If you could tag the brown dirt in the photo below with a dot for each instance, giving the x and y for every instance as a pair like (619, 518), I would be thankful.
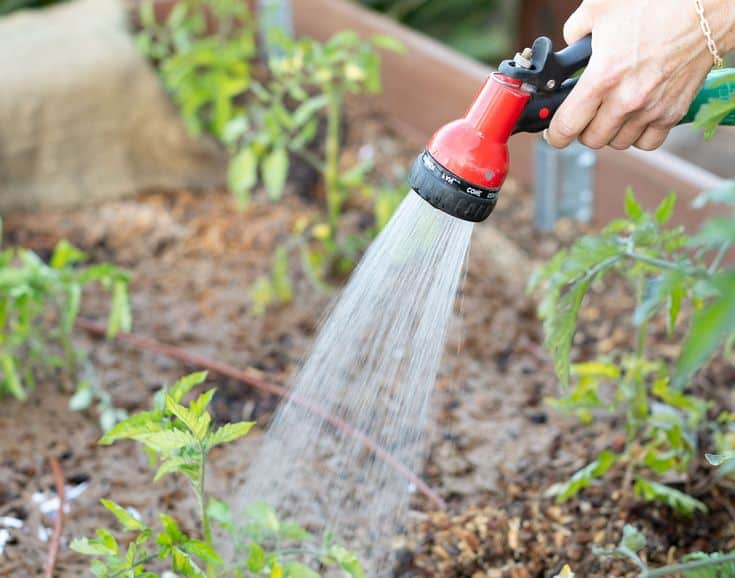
(495, 447)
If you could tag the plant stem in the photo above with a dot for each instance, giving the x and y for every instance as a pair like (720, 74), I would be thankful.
(202, 499)
(331, 169)
(138, 562)
(687, 566)
(640, 344)
(718, 258)
(663, 264)
(310, 158)
(300, 552)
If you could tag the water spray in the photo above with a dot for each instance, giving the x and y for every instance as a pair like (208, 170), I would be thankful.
(466, 162)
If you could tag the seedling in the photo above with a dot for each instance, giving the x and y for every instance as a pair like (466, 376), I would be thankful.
(663, 421)
(205, 73)
(178, 437)
(308, 80)
(696, 565)
(265, 123)
(39, 304)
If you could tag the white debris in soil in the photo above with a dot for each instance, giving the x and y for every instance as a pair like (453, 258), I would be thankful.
(10, 522)
(4, 539)
(48, 502)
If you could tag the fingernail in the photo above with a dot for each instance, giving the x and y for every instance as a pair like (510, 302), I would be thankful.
(545, 134)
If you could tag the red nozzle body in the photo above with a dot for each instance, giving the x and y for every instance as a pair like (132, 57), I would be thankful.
(475, 148)
(466, 162)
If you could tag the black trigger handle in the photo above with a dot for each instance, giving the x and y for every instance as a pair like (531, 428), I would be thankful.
(541, 108)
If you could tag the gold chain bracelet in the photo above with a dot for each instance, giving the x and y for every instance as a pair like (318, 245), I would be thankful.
(707, 30)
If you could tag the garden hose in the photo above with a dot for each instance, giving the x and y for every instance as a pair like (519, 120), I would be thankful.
(466, 161)
(720, 85)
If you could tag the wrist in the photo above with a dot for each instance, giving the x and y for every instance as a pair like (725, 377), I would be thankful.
(721, 17)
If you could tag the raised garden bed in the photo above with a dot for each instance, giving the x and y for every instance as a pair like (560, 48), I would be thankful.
(495, 448)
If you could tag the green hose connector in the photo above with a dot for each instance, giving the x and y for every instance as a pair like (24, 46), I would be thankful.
(715, 87)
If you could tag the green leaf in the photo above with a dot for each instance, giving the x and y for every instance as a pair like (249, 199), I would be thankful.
(11, 378)
(709, 328)
(219, 511)
(264, 516)
(135, 425)
(712, 114)
(675, 300)
(282, 285)
(388, 43)
(92, 547)
(665, 210)
(308, 110)
(655, 292)
(120, 318)
(71, 309)
(243, 175)
(230, 432)
(583, 478)
(167, 440)
(170, 465)
(184, 565)
(305, 136)
(66, 254)
(256, 558)
(633, 539)
(171, 534)
(298, 570)
(723, 195)
(294, 532)
(678, 501)
(347, 561)
(197, 424)
(561, 328)
(200, 404)
(186, 384)
(126, 520)
(564, 282)
(720, 459)
(596, 369)
(203, 551)
(275, 172)
(147, 14)
(632, 208)
(262, 295)
(715, 232)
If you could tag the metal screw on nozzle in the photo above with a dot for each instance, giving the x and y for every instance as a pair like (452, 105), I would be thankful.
(523, 59)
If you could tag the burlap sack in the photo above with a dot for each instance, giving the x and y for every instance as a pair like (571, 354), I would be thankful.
(83, 116)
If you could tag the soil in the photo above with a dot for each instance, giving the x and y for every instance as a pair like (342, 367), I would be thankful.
(495, 448)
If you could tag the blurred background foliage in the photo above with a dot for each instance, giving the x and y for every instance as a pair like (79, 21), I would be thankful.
(482, 29)
(7, 6)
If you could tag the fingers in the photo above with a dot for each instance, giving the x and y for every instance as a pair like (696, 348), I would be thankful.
(652, 138)
(628, 135)
(578, 25)
(605, 126)
(575, 113)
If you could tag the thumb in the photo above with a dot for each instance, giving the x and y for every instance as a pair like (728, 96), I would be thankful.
(578, 25)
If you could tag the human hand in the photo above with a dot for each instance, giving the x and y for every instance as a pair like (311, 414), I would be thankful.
(649, 60)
